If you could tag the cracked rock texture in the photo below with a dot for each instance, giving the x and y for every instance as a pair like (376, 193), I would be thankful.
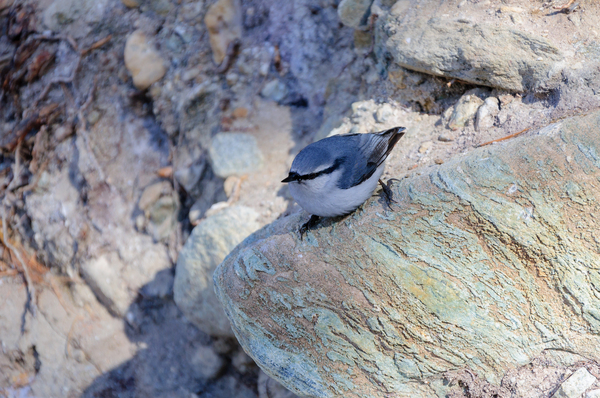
(486, 262)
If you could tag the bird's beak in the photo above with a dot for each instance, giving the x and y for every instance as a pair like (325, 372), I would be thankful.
(289, 178)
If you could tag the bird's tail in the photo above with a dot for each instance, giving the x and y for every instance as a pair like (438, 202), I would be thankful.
(393, 136)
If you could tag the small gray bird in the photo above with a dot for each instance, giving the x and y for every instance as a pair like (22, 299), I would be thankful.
(335, 175)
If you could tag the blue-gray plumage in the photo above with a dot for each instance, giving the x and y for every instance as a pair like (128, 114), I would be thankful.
(337, 174)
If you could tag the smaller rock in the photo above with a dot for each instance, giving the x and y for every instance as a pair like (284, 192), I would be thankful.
(464, 110)
(445, 137)
(384, 113)
(205, 362)
(242, 362)
(143, 62)
(240, 113)
(229, 185)
(131, 3)
(575, 385)
(152, 193)
(206, 247)
(232, 78)
(354, 13)
(224, 23)
(486, 113)
(93, 117)
(363, 40)
(274, 90)
(426, 146)
(191, 10)
(163, 217)
(270, 388)
(189, 177)
(102, 275)
(234, 154)
(190, 74)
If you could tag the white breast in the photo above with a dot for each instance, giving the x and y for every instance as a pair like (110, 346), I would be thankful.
(322, 197)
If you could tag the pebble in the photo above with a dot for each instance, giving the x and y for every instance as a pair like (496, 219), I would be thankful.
(575, 385)
(224, 23)
(425, 146)
(152, 193)
(234, 154)
(190, 74)
(486, 113)
(384, 113)
(189, 177)
(131, 3)
(240, 113)
(205, 362)
(232, 78)
(353, 13)
(229, 185)
(93, 117)
(445, 137)
(464, 110)
(274, 90)
(143, 62)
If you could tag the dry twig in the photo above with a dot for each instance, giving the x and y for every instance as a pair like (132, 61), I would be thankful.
(503, 138)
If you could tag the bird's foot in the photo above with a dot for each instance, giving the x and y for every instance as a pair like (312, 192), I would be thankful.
(308, 225)
(387, 192)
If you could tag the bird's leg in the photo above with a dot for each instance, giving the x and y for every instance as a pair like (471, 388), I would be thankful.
(308, 225)
(387, 192)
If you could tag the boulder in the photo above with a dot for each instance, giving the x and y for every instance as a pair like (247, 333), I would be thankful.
(473, 52)
(484, 263)
(206, 247)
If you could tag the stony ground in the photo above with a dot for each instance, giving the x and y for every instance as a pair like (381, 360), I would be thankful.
(111, 112)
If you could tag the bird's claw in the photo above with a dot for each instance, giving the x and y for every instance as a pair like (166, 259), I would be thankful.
(308, 225)
(387, 192)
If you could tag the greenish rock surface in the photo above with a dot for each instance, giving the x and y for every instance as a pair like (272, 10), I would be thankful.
(206, 247)
(475, 53)
(485, 262)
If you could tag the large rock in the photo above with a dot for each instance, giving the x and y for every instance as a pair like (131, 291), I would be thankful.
(472, 52)
(484, 262)
(206, 247)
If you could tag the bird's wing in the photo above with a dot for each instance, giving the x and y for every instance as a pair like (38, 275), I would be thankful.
(372, 151)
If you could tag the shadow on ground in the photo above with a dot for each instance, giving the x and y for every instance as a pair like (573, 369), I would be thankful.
(173, 355)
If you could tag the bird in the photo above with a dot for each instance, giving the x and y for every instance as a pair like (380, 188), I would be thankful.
(334, 176)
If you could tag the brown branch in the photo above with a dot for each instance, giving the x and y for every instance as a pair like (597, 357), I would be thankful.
(504, 138)
(96, 45)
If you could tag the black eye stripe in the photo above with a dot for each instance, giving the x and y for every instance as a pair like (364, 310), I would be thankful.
(328, 170)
